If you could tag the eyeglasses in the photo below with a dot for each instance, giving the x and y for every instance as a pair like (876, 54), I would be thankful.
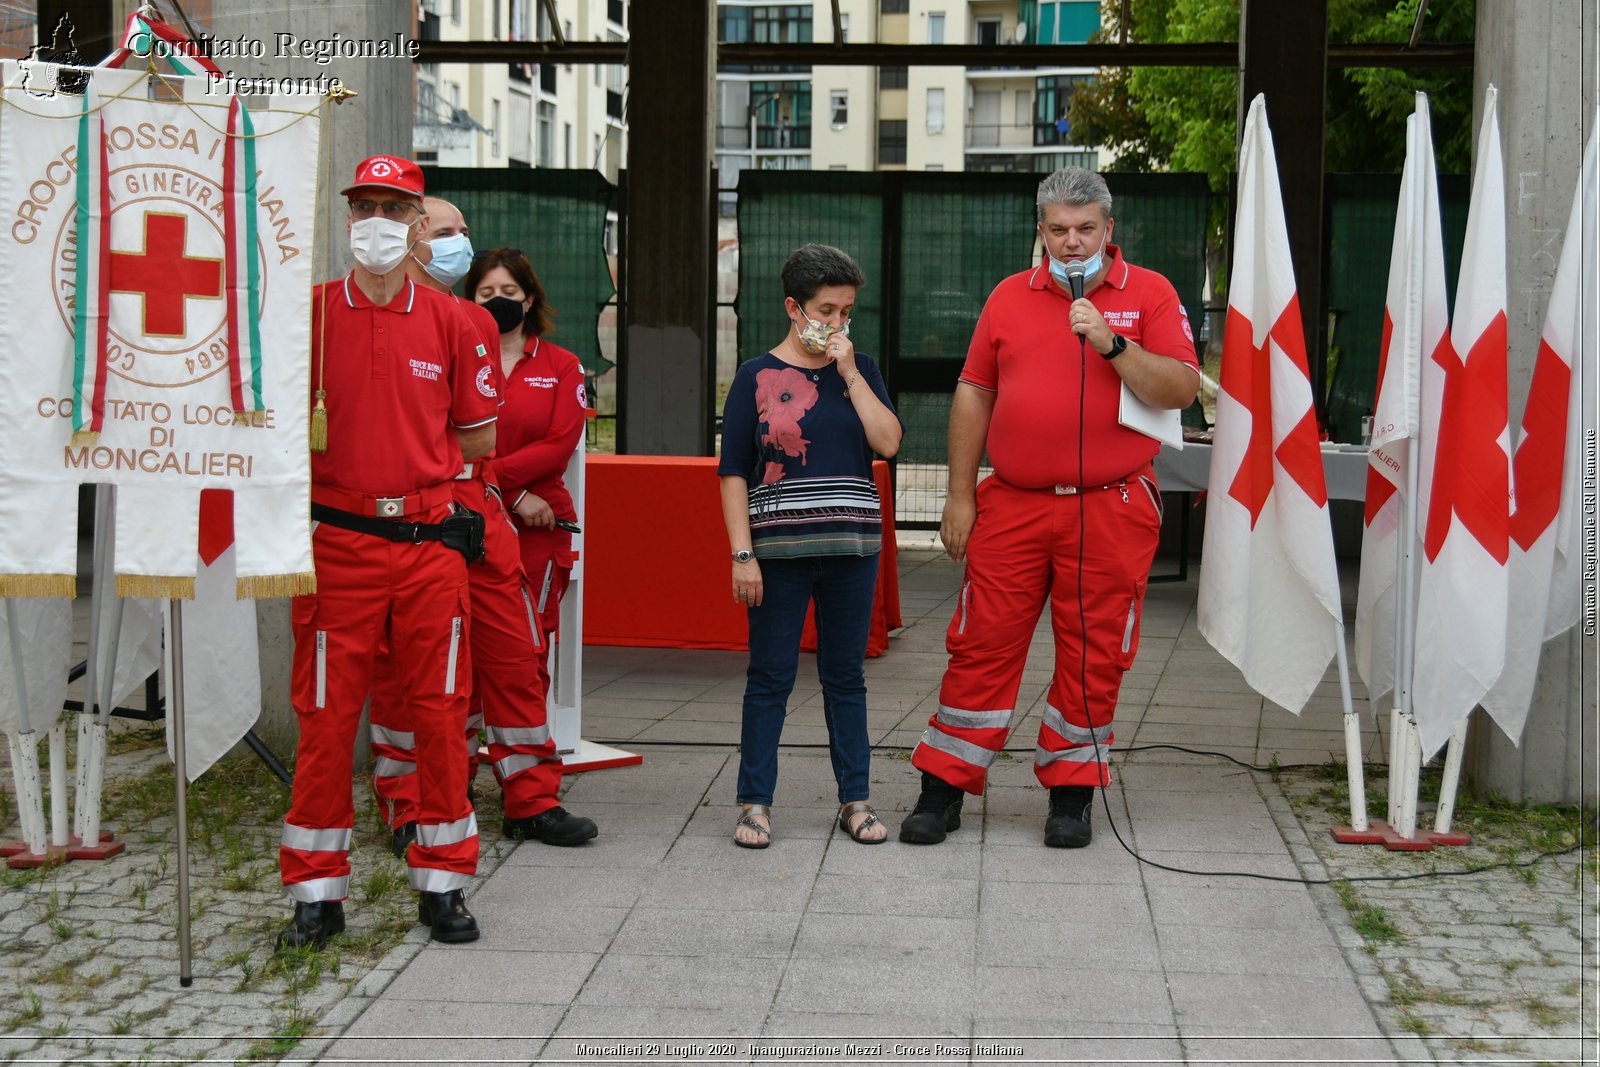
(394, 210)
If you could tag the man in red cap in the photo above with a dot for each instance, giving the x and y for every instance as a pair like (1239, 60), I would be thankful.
(394, 373)
(508, 646)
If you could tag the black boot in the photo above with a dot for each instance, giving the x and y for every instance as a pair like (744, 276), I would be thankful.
(448, 916)
(1068, 823)
(938, 811)
(558, 826)
(313, 924)
(401, 840)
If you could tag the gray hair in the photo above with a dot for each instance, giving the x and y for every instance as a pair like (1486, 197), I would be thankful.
(1074, 187)
(812, 266)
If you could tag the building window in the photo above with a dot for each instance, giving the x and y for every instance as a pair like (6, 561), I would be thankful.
(1067, 21)
(455, 12)
(892, 77)
(839, 108)
(494, 20)
(1052, 100)
(844, 28)
(936, 27)
(987, 31)
(891, 141)
(547, 135)
(894, 7)
(494, 128)
(935, 110)
(933, 166)
(1024, 109)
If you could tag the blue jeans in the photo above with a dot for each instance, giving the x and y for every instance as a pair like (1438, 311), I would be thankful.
(842, 587)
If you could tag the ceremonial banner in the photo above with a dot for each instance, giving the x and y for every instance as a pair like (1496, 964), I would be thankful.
(1416, 324)
(44, 631)
(154, 318)
(1464, 489)
(1269, 589)
(1546, 547)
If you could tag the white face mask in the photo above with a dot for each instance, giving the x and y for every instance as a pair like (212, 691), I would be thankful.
(379, 244)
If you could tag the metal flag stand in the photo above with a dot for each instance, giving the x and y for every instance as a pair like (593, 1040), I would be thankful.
(180, 773)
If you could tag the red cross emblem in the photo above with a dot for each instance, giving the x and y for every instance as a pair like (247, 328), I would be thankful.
(1247, 377)
(164, 274)
(1470, 476)
(1542, 453)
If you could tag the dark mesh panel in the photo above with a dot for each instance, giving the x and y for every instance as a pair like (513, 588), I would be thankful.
(558, 219)
(1161, 226)
(1361, 214)
(959, 235)
(781, 210)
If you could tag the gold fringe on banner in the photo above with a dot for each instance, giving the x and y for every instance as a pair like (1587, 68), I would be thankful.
(84, 438)
(155, 587)
(272, 586)
(31, 585)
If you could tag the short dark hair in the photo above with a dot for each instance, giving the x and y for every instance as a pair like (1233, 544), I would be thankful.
(540, 313)
(812, 266)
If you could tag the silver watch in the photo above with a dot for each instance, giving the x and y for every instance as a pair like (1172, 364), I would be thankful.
(744, 555)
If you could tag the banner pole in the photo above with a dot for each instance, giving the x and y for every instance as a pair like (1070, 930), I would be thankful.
(99, 587)
(58, 784)
(25, 747)
(180, 773)
(1448, 784)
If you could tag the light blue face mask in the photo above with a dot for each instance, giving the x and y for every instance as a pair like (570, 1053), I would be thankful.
(452, 256)
(1091, 267)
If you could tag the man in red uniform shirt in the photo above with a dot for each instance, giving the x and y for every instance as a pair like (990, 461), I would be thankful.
(395, 366)
(508, 643)
(1072, 513)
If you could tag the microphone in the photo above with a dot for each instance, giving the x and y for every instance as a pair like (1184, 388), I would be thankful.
(1075, 278)
(1075, 283)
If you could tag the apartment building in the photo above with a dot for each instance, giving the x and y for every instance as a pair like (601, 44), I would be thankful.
(521, 114)
(997, 117)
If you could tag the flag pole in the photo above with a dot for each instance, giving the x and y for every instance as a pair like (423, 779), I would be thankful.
(1442, 834)
(1352, 738)
(24, 751)
(180, 773)
(98, 588)
(58, 785)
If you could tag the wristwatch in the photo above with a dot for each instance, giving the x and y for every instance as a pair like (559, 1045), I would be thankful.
(744, 555)
(1119, 345)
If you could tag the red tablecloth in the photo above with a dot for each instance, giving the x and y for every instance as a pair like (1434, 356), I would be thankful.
(655, 558)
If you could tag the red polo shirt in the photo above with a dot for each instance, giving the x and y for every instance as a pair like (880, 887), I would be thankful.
(1025, 352)
(541, 424)
(492, 384)
(398, 378)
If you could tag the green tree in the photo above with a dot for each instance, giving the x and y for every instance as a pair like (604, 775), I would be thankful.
(1185, 118)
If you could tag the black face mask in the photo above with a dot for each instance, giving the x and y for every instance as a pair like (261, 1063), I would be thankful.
(508, 313)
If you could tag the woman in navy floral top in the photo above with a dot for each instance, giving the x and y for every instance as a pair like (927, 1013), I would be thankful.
(799, 431)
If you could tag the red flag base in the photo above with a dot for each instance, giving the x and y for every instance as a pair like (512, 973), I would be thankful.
(18, 858)
(109, 846)
(1381, 833)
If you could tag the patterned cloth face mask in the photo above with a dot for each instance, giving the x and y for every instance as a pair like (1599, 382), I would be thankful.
(814, 335)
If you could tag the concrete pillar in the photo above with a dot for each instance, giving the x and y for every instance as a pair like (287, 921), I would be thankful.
(664, 394)
(1542, 58)
(1283, 52)
(378, 120)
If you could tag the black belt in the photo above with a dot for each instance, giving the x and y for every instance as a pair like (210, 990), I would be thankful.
(462, 531)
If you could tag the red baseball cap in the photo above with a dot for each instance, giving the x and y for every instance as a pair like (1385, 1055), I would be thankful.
(388, 172)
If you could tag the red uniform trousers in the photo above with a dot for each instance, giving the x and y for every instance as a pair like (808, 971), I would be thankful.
(1024, 548)
(415, 595)
(542, 559)
(508, 690)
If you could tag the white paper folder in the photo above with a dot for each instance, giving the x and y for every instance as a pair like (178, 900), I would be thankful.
(1164, 424)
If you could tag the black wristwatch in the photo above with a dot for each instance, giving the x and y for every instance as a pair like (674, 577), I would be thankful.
(1119, 345)
(744, 555)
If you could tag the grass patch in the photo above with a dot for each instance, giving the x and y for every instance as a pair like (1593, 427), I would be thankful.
(1371, 922)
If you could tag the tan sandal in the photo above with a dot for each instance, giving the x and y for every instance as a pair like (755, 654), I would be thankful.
(748, 814)
(858, 834)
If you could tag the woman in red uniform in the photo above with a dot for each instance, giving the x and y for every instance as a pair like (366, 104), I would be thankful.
(540, 423)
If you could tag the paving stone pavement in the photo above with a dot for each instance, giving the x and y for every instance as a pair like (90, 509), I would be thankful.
(660, 941)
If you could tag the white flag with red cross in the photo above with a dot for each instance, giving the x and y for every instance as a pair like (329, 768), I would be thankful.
(1464, 490)
(1546, 560)
(1269, 588)
(1416, 325)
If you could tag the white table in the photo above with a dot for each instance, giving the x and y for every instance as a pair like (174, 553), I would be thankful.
(1187, 471)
